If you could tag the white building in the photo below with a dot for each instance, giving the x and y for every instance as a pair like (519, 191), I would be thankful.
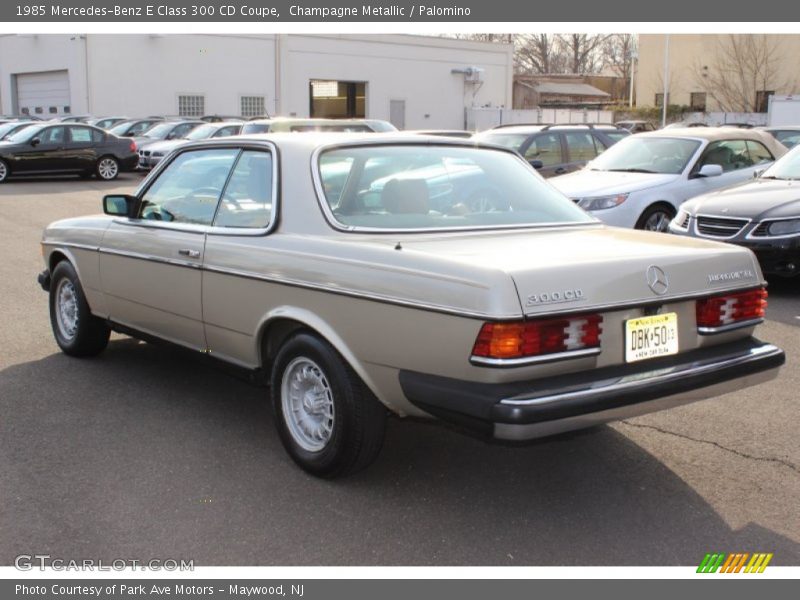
(414, 81)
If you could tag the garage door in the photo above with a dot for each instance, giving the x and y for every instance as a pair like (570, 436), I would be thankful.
(44, 94)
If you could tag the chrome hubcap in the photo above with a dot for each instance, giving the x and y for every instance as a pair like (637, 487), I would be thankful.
(107, 168)
(658, 221)
(3, 171)
(66, 309)
(307, 403)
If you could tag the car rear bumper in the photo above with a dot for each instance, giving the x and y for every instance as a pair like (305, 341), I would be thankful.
(542, 407)
(129, 163)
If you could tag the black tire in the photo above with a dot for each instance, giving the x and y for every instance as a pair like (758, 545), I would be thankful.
(656, 218)
(355, 419)
(87, 335)
(107, 168)
(4, 172)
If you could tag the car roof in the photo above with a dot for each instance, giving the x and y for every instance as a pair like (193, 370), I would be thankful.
(708, 133)
(536, 127)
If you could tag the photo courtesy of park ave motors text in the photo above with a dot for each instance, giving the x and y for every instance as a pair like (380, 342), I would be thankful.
(278, 299)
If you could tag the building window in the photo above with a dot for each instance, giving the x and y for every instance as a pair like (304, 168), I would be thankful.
(660, 99)
(697, 101)
(191, 106)
(25, 110)
(67, 109)
(38, 110)
(253, 106)
(762, 100)
(53, 110)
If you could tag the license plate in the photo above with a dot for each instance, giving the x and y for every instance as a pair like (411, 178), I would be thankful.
(651, 337)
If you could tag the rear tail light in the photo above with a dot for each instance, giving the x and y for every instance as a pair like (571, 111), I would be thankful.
(133, 146)
(526, 339)
(730, 309)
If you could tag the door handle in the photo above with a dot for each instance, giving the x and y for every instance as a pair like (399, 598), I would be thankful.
(190, 253)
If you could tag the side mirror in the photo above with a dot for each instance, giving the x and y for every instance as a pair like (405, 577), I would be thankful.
(36, 141)
(710, 171)
(120, 205)
(537, 164)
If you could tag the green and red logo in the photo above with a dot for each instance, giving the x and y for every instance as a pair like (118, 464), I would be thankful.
(739, 562)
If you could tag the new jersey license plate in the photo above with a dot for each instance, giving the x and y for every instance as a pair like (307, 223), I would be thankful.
(651, 337)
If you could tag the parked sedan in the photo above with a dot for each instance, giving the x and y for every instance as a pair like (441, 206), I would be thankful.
(168, 130)
(134, 127)
(149, 157)
(642, 181)
(762, 214)
(54, 148)
(107, 122)
(352, 304)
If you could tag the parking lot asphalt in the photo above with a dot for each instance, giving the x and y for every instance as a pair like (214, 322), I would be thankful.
(146, 452)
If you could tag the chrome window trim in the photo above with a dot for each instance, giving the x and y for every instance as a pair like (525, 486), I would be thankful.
(505, 363)
(729, 326)
(242, 146)
(636, 381)
(335, 224)
(698, 216)
(750, 235)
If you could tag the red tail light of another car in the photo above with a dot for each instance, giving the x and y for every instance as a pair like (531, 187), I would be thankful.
(133, 146)
(730, 310)
(529, 339)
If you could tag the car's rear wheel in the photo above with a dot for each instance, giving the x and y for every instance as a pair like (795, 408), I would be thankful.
(107, 168)
(77, 331)
(3, 171)
(656, 218)
(328, 420)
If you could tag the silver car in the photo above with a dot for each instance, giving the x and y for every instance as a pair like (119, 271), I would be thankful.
(642, 180)
(154, 152)
(363, 275)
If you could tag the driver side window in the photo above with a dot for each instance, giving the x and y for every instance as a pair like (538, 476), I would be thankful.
(188, 190)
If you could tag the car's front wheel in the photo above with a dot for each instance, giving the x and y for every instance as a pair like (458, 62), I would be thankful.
(656, 218)
(3, 171)
(328, 420)
(77, 331)
(107, 168)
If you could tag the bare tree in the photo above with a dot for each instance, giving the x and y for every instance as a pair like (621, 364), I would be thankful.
(583, 51)
(741, 66)
(538, 53)
(617, 53)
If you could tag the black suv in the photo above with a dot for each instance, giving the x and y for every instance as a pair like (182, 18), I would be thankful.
(555, 149)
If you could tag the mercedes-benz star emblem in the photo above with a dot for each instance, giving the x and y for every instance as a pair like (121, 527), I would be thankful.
(657, 280)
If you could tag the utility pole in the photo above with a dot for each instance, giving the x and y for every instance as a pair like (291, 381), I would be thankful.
(666, 83)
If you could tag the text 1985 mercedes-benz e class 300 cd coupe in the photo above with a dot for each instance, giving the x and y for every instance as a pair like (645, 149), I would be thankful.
(408, 275)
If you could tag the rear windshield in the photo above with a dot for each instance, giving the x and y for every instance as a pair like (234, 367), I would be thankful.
(407, 187)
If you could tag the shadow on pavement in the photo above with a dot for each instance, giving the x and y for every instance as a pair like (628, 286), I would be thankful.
(147, 452)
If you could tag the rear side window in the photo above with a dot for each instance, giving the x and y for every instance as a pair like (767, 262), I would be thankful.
(81, 134)
(580, 145)
(731, 155)
(247, 199)
(255, 128)
(226, 131)
(759, 153)
(546, 148)
(188, 190)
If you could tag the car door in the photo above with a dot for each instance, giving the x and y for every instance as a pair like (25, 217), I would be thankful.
(45, 152)
(546, 147)
(80, 154)
(150, 265)
(238, 245)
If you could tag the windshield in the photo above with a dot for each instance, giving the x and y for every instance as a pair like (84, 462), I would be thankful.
(7, 128)
(640, 154)
(786, 167)
(159, 132)
(26, 134)
(507, 140)
(407, 187)
(202, 132)
(121, 128)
